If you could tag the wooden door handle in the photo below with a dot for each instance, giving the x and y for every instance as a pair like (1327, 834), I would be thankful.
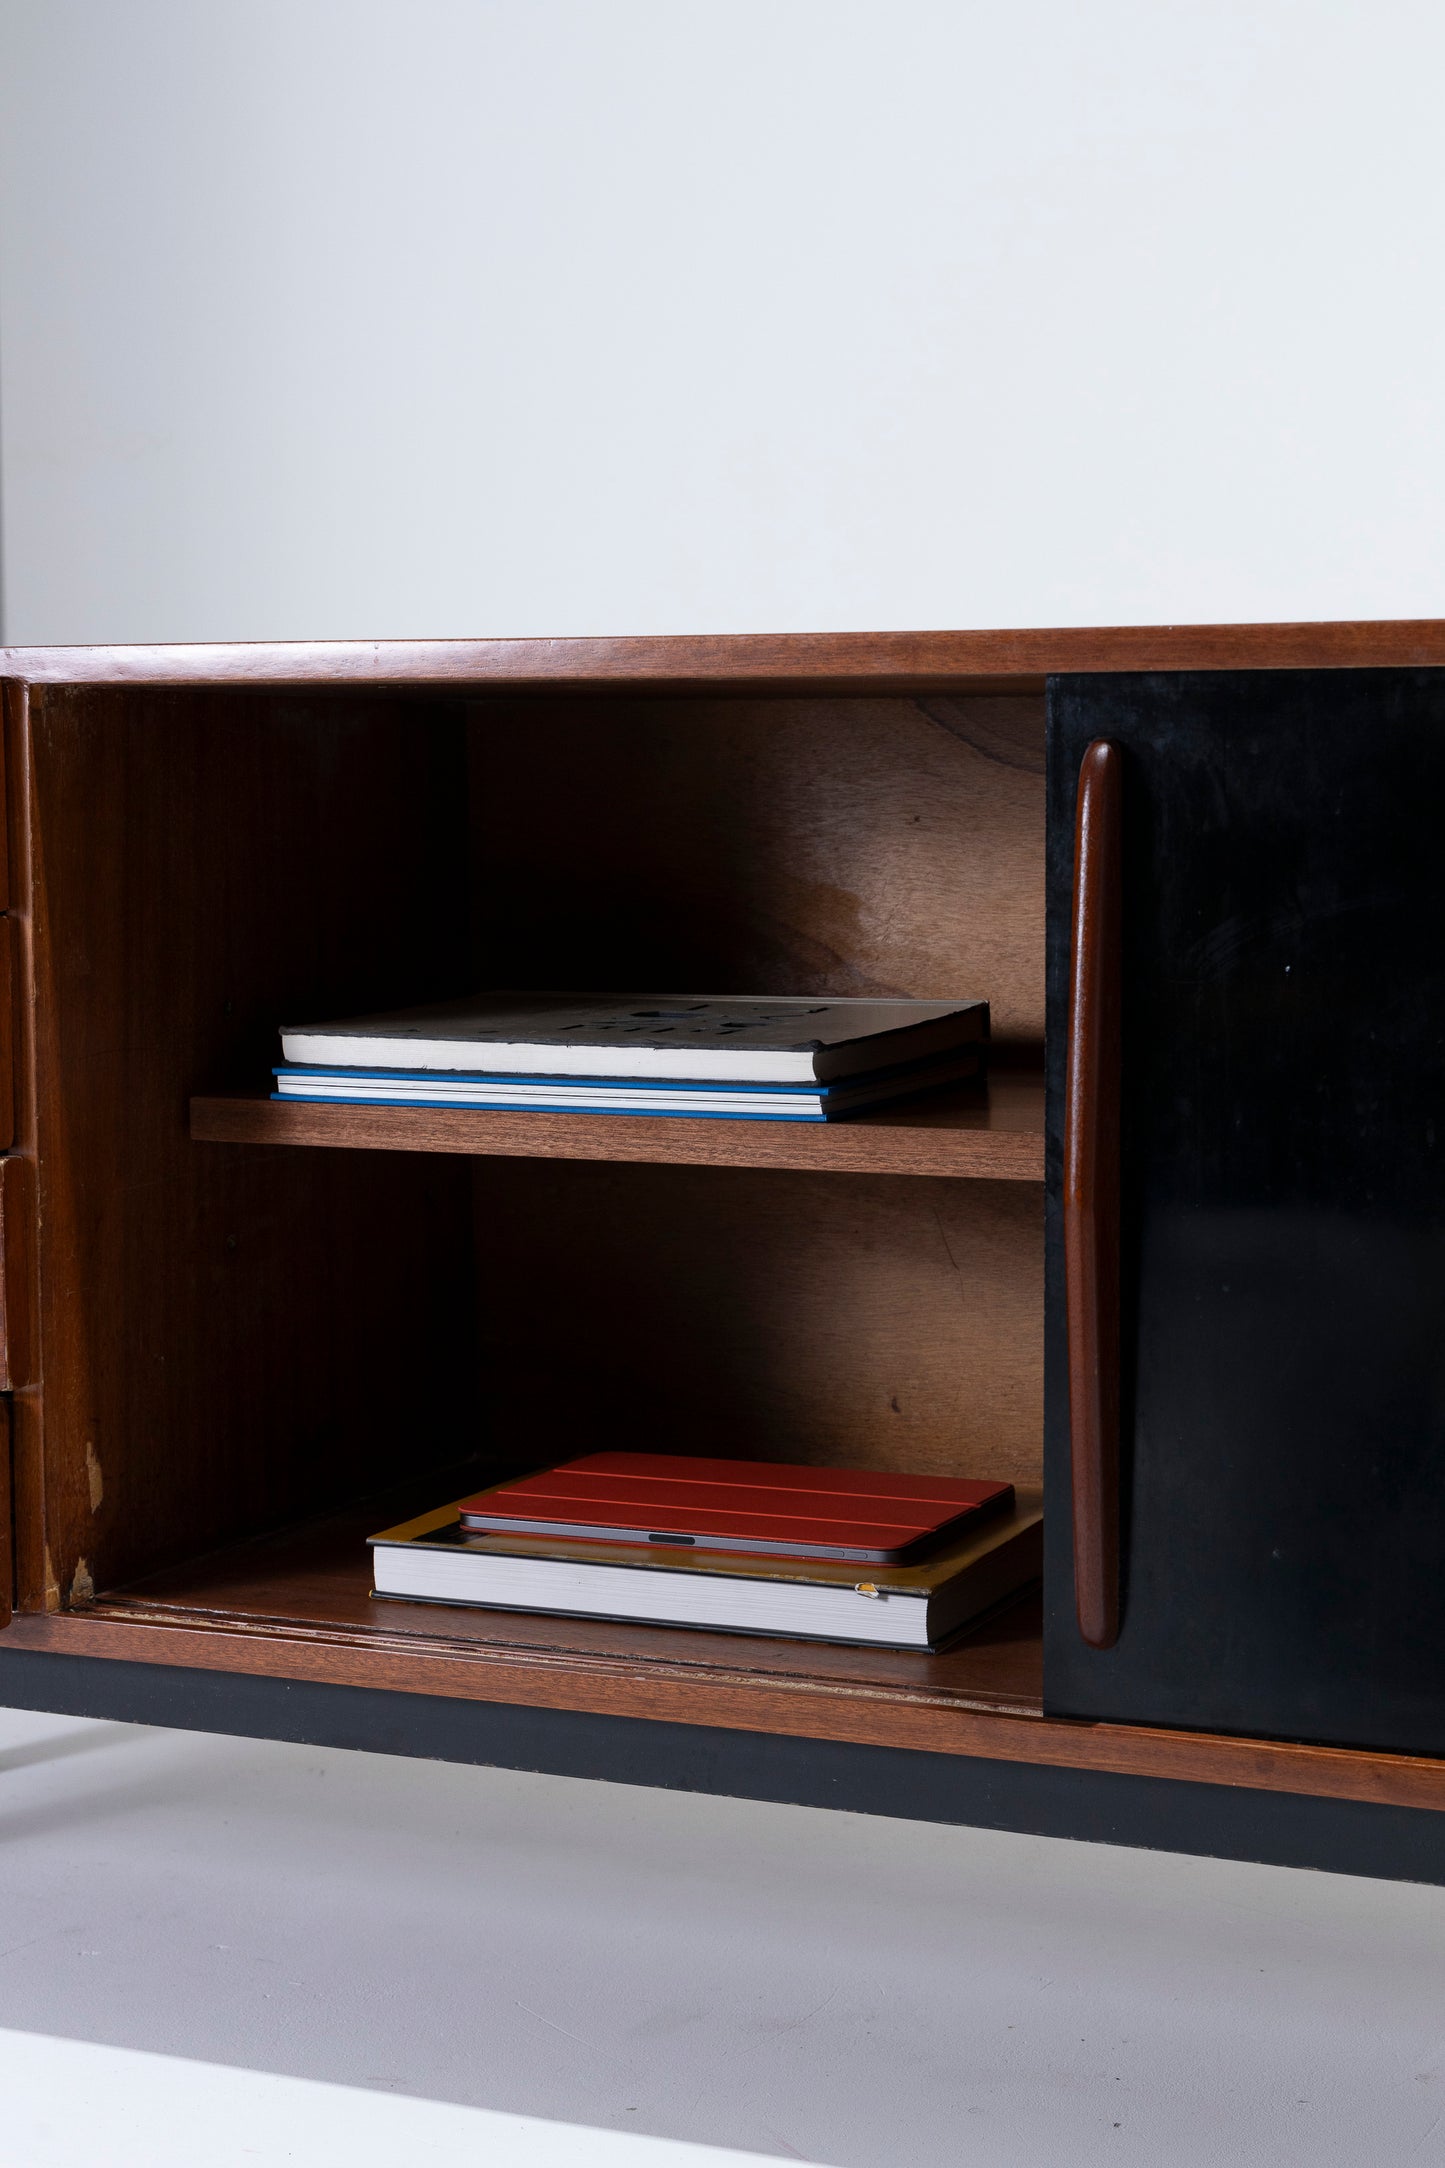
(1091, 1191)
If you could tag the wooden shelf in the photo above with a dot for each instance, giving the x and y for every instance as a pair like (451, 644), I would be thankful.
(296, 1606)
(992, 1132)
(299, 1604)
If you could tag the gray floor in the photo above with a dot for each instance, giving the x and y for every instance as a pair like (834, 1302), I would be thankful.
(811, 1986)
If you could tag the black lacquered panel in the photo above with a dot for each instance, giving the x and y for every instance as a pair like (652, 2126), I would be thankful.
(1284, 1204)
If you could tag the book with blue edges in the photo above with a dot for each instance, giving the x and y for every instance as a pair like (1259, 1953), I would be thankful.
(765, 1059)
(615, 1095)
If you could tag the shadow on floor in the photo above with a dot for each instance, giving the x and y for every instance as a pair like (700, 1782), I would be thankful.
(66, 1743)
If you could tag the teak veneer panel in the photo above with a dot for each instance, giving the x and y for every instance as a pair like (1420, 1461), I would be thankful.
(223, 1337)
(800, 1707)
(189, 863)
(219, 1330)
(851, 846)
(836, 845)
(860, 1320)
(878, 659)
(296, 1607)
(317, 1578)
(7, 1572)
(995, 1134)
(26, 1476)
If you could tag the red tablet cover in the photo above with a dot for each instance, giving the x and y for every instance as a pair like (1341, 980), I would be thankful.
(734, 1505)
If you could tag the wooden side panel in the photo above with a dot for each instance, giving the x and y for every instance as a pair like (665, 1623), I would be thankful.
(26, 1455)
(229, 1337)
(17, 1214)
(17, 1189)
(7, 1525)
(14, 699)
(7, 1033)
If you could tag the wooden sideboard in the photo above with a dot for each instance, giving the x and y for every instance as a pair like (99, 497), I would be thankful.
(240, 1335)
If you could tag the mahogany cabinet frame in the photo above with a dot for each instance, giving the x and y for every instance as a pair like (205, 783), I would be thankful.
(650, 1708)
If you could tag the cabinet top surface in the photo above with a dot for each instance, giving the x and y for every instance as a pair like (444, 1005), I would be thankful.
(987, 661)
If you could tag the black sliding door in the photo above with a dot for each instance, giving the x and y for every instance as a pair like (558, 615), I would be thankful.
(1281, 1276)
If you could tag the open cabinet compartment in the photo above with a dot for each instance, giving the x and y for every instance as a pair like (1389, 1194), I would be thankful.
(239, 1336)
(263, 1331)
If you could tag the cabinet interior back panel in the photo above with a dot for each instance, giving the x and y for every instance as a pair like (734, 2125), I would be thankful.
(840, 845)
(870, 1321)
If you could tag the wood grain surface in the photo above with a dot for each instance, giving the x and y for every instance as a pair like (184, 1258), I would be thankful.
(866, 1321)
(7, 1546)
(853, 846)
(993, 1132)
(838, 846)
(1090, 1201)
(32, 1582)
(317, 1577)
(296, 1607)
(226, 1338)
(901, 659)
(220, 1329)
(17, 1236)
(13, 702)
(223, 1336)
(8, 992)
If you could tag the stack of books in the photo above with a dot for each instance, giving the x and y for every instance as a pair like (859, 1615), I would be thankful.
(783, 1059)
(823, 1554)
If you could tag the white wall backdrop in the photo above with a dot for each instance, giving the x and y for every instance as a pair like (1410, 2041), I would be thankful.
(365, 317)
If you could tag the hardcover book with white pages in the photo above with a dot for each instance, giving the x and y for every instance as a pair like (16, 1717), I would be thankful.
(658, 1038)
(616, 1095)
(434, 1559)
